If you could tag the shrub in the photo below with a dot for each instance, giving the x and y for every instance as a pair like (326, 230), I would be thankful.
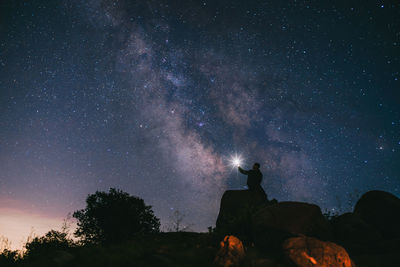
(51, 242)
(9, 257)
(113, 217)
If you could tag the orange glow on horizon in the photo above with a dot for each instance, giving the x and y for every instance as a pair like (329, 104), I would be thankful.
(18, 224)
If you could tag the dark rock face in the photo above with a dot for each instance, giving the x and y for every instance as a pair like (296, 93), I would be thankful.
(355, 234)
(271, 225)
(371, 234)
(381, 210)
(377, 260)
(351, 226)
(265, 262)
(268, 224)
(311, 252)
(236, 209)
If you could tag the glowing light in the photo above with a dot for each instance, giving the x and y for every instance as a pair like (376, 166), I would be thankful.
(309, 258)
(236, 160)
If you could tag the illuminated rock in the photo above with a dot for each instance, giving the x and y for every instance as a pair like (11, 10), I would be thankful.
(231, 252)
(311, 252)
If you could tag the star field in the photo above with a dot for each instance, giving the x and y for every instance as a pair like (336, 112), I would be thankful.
(154, 98)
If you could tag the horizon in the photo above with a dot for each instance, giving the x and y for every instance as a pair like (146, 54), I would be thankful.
(22, 227)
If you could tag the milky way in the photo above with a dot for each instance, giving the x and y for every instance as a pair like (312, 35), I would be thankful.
(154, 97)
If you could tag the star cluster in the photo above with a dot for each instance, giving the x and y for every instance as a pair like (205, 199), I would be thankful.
(154, 97)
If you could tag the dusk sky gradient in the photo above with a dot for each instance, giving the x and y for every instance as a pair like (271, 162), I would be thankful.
(154, 97)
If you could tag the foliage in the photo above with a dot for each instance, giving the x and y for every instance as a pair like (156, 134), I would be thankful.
(50, 242)
(161, 249)
(9, 257)
(113, 217)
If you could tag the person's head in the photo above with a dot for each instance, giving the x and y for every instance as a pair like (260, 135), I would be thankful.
(256, 166)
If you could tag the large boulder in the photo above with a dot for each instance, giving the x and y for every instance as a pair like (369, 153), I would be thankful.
(350, 226)
(272, 224)
(311, 252)
(236, 209)
(355, 234)
(381, 210)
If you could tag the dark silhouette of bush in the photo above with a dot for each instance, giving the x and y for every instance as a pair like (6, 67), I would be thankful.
(50, 242)
(47, 250)
(113, 217)
(9, 257)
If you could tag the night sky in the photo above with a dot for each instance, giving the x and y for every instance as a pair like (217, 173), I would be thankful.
(154, 97)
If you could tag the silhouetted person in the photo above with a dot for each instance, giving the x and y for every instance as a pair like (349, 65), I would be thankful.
(254, 178)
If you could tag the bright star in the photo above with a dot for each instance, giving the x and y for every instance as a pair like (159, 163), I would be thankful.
(236, 160)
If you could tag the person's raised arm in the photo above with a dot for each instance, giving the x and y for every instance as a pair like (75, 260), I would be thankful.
(243, 171)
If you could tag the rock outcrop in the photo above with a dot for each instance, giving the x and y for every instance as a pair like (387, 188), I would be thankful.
(271, 225)
(371, 234)
(355, 234)
(311, 252)
(300, 234)
(236, 209)
(381, 210)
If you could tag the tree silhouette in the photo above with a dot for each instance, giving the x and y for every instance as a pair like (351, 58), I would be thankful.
(51, 242)
(113, 217)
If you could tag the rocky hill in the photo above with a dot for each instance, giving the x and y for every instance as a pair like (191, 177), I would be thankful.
(297, 234)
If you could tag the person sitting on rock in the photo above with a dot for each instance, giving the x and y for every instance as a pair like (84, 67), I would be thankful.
(254, 178)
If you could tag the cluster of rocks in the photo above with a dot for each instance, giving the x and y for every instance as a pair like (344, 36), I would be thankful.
(298, 234)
